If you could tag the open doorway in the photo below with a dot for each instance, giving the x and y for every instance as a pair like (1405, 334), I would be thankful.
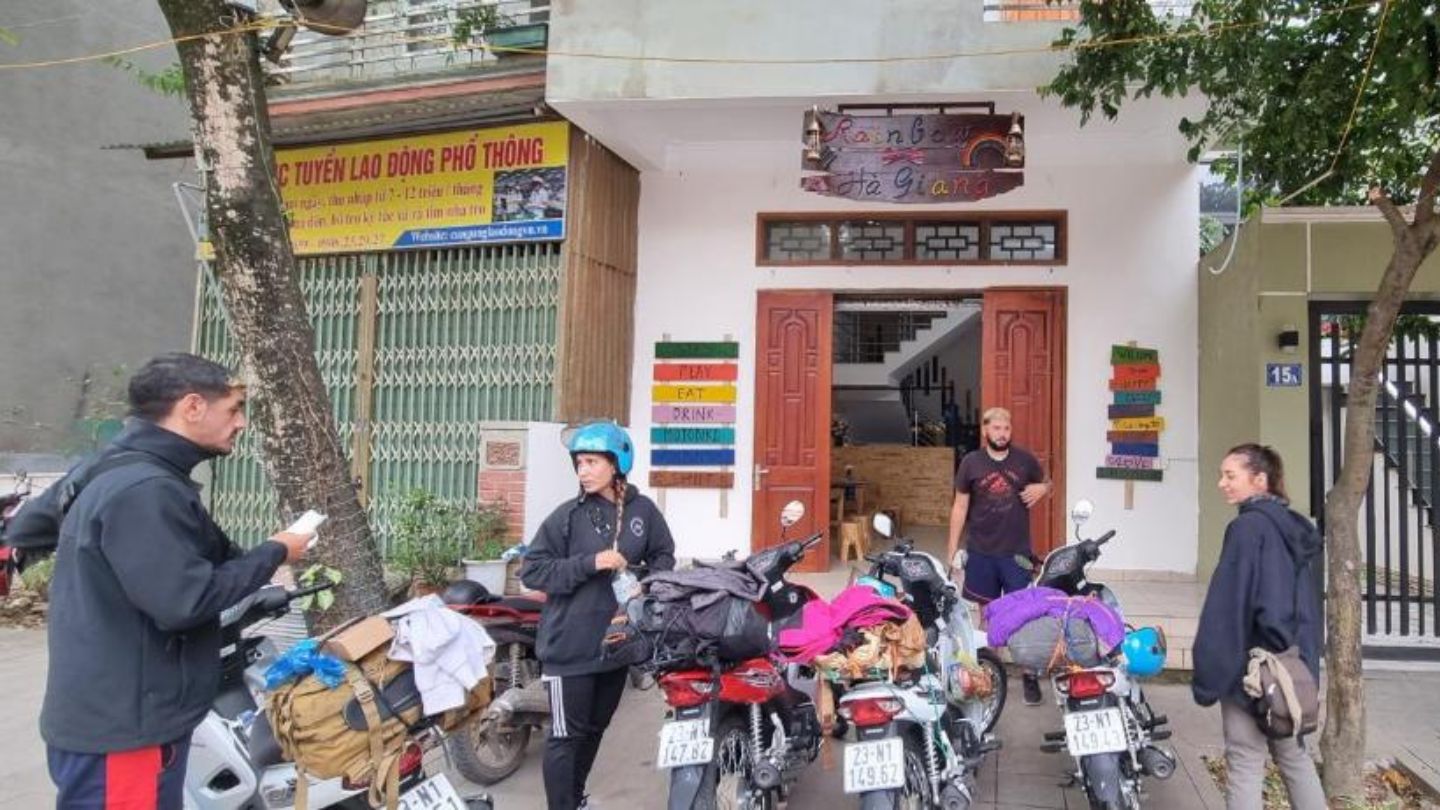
(905, 407)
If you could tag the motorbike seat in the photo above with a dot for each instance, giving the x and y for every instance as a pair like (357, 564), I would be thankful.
(264, 749)
(524, 604)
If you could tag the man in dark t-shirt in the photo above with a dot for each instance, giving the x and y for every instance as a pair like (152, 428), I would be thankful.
(995, 488)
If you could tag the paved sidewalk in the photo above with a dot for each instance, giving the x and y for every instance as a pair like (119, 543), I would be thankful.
(1019, 776)
(1404, 719)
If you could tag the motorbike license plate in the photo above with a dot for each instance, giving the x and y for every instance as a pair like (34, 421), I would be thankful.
(435, 793)
(1098, 732)
(685, 742)
(878, 765)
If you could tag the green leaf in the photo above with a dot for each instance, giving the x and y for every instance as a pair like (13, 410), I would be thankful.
(325, 599)
(8, 37)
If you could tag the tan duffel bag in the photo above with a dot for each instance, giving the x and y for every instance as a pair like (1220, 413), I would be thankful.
(357, 730)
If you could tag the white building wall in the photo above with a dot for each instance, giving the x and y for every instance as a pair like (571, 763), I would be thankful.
(1131, 276)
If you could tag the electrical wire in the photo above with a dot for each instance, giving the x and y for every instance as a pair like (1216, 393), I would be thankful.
(1082, 46)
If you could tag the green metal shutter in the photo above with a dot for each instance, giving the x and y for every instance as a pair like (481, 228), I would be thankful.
(463, 335)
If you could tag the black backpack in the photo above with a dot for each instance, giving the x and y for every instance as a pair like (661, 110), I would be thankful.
(34, 531)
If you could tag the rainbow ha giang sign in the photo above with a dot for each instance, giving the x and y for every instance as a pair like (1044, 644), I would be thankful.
(1135, 428)
(479, 186)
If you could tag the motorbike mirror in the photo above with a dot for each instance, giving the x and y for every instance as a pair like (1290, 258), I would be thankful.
(1081, 512)
(792, 513)
(883, 526)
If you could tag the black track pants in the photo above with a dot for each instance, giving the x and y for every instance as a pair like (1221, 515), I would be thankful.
(580, 710)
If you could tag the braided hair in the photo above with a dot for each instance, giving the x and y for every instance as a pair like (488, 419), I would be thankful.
(1263, 459)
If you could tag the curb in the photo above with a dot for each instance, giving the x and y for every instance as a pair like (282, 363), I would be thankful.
(1426, 778)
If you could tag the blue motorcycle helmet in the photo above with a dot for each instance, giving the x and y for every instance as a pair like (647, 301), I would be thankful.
(1144, 649)
(879, 586)
(606, 438)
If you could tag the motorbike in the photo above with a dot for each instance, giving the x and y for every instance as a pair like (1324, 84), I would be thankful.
(9, 505)
(739, 735)
(493, 746)
(920, 737)
(235, 761)
(1110, 730)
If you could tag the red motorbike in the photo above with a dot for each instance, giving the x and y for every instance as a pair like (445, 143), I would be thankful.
(9, 505)
(743, 732)
(493, 746)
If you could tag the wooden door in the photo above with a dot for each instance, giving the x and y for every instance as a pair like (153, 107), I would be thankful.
(792, 417)
(1023, 370)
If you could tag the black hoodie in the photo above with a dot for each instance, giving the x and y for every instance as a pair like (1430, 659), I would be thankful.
(141, 575)
(1270, 550)
(579, 600)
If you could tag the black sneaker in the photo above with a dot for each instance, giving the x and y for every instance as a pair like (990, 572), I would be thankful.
(1030, 687)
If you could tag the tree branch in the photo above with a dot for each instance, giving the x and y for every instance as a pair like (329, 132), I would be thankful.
(1390, 210)
(1425, 205)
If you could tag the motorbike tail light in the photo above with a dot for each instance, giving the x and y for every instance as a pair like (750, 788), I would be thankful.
(684, 690)
(1086, 683)
(411, 760)
(755, 681)
(868, 712)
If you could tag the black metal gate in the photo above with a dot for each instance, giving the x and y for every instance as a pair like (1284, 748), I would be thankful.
(1400, 543)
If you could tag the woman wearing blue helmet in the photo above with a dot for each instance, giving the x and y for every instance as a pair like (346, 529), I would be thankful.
(573, 560)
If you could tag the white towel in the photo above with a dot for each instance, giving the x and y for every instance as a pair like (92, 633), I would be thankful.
(451, 652)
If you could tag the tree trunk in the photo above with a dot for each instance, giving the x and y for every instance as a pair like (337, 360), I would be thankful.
(1343, 741)
(255, 264)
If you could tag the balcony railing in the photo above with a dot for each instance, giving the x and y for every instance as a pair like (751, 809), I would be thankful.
(399, 37)
(1064, 11)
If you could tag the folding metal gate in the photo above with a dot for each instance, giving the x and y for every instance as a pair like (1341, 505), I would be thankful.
(1400, 544)
(461, 336)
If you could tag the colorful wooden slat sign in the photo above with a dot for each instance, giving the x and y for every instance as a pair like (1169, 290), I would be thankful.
(693, 458)
(1133, 436)
(1132, 385)
(1125, 474)
(692, 414)
(693, 393)
(1133, 462)
(1130, 354)
(692, 435)
(1131, 411)
(692, 479)
(716, 350)
(1129, 449)
(696, 372)
(1137, 397)
(1135, 371)
(1151, 423)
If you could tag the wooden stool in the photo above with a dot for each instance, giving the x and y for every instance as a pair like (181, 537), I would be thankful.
(852, 539)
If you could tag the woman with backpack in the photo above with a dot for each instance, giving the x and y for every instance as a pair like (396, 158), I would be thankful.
(1262, 595)
(580, 560)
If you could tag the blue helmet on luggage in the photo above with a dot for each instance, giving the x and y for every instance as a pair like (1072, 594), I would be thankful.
(606, 438)
(1144, 650)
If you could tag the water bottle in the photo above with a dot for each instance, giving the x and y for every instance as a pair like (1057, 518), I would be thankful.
(626, 587)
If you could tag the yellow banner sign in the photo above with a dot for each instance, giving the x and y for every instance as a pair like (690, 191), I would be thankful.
(693, 393)
(1146, 423)
(503, 184)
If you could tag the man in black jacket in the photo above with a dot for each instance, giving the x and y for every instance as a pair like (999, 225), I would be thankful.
(575, 560)
(141, 576)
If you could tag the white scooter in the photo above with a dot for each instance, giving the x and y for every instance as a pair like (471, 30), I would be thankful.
(920, 740)
(235, 762)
